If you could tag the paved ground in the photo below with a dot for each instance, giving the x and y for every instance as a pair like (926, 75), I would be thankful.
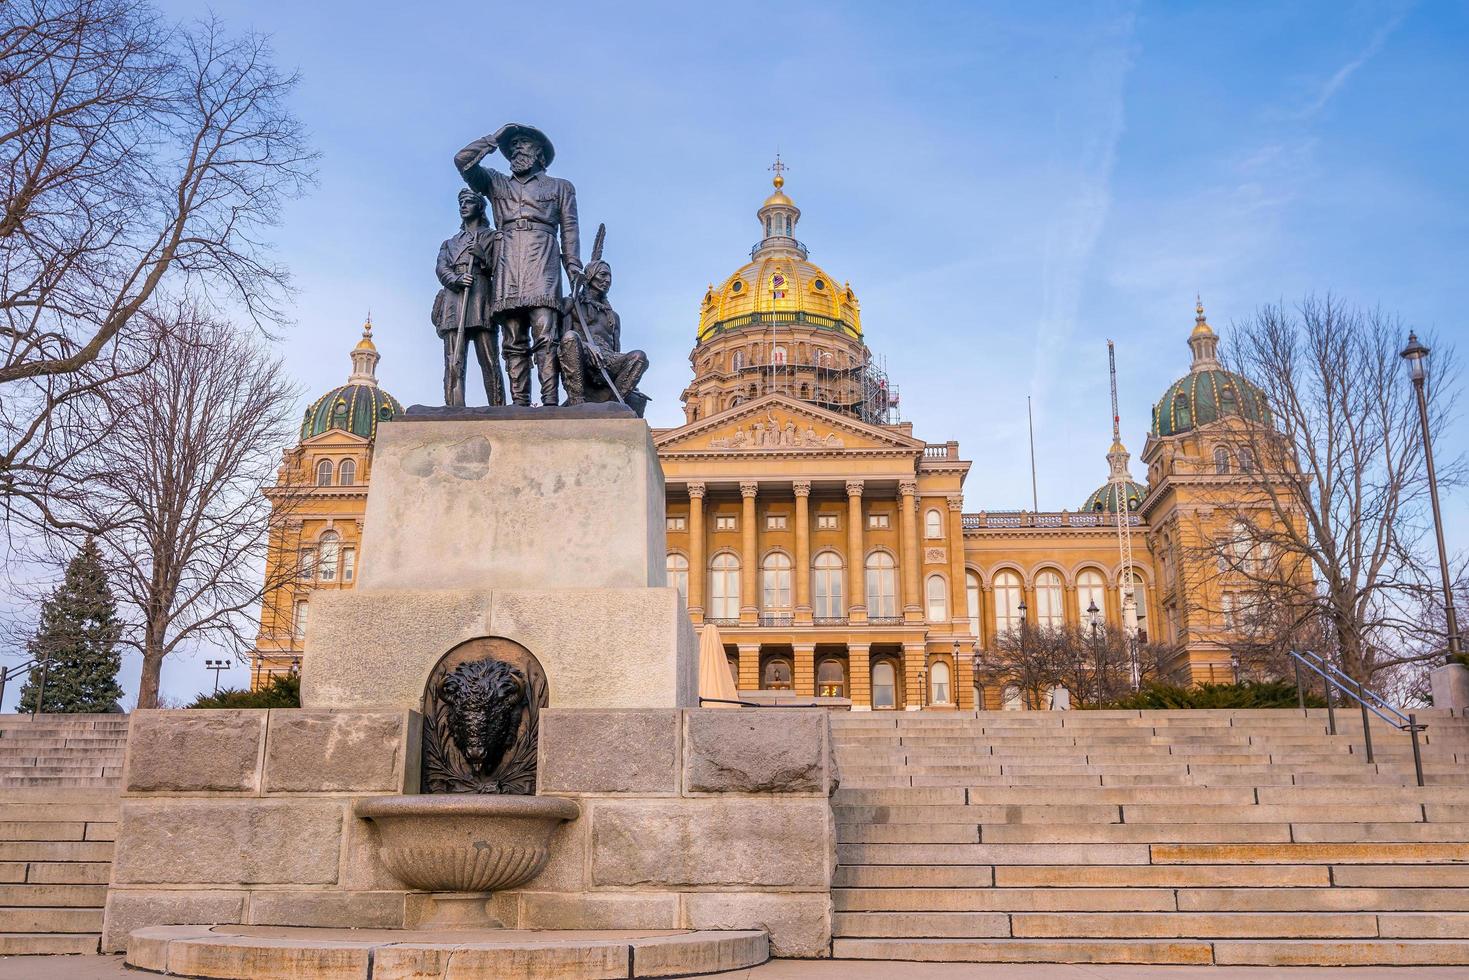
(111, 968)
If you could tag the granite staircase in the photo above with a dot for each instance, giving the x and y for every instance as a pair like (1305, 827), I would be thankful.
(1167, 837)
(59, 784)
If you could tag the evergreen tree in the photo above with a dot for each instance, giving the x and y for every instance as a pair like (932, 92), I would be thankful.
(79, 632)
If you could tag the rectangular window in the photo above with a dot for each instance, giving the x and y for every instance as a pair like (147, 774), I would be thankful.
(827, 522)
(678, 524)
(775, 522)
(879, 522)
(308, 564)
(725, 522)
(298, 623)
(349, 564)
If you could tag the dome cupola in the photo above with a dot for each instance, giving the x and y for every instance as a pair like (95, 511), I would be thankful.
(1207, 393)
(778, 217)
(360, 404)
(1120, 484)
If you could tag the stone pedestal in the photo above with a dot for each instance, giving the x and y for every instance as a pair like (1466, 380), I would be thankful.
(543, 526)
(1450, 686)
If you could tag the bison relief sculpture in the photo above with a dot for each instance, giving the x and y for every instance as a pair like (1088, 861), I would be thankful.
(481, 719)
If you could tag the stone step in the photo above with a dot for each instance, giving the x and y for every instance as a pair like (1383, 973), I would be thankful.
(55, 873)
(1141, 925)
(47, 943)
(1082, 833)
(981, 813)
(1003, 900)
(47, 812)
(1252, 952)
(55, 851)
(53, 896)
(1333, 899)
(1166, 876)
(38, 830)
(14, 919)
(1360, 852)
(58, 782)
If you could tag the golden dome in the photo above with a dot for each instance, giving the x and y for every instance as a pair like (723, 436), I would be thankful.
(780, 284)
(366, 342)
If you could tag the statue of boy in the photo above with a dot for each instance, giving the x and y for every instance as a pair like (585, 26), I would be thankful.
(583, 362)
(463, 269)
(530, 209)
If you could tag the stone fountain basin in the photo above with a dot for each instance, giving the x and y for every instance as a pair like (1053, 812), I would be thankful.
(463, 842)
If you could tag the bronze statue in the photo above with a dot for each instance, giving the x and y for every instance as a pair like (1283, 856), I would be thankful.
(593, 364)
(531, 210)
(461, 314)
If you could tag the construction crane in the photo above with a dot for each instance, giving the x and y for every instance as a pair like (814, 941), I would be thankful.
(1120, 498)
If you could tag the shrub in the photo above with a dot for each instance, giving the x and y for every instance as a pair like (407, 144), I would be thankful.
(1250, 694)
(281, 691)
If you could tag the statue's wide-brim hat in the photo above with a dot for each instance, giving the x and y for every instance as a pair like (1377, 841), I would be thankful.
(514, 130)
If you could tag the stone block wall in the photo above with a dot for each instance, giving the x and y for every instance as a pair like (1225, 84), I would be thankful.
(245, 817)
(691, 818)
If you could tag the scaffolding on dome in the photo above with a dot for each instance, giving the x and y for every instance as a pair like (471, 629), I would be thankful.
(837, 383)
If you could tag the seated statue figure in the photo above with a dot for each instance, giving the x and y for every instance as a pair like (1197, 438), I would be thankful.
(584, 359)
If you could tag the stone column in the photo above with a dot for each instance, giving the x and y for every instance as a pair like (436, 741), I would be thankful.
(698, 574)
(802, 569)
(957, 612)
(856, 557)
(749, 667)
(803, 670)
(750, 560)
(912, 563)
(914, 657)
(859, 676)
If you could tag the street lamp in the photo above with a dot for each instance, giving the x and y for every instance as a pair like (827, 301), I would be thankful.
(1416, 354)
(1094, 619)
(216, 666)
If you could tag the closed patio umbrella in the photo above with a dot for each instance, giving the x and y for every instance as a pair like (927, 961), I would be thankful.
(715, 680)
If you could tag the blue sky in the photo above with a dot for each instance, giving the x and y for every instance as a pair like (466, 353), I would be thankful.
(1004, 185)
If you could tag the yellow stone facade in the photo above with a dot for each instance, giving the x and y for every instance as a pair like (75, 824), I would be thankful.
(829, 544)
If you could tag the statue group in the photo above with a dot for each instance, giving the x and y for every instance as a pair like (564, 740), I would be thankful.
(502, 285)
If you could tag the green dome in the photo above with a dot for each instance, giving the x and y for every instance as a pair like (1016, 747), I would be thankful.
(358, 408)
(1105, 499)
(1205, 396)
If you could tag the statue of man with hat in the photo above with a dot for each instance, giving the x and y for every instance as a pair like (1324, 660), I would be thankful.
(535, 215)
(461, 313)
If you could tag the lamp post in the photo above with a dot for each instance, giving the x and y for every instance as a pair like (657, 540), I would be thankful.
(1094, 620)
(216, 666)
(1416, 354)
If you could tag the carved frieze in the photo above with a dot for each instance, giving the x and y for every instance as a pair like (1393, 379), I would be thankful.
(777, 433)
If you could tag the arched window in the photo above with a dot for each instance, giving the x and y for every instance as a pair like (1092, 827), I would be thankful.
(831, 679)
(324, 473)
(1010, 699)
(884, 685)
(738, 360)
(938, 683)
(933, 524)
(1008, 596)
(329, 552)
(776, 583)
(827, 580)
(937, 591)
(1049, 608)
(882, 585)
(777, 675)
(347, 473)
(678, 574)
(298, 620)
(778, 356)
(1091, 590)
(1221, 460)
(1140, 598)
(724, 586)
(1183, 416)
(971, 602)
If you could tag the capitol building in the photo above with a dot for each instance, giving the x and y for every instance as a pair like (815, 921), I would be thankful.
(832, 545)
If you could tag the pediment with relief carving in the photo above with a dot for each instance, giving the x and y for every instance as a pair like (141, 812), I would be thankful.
(775, 423)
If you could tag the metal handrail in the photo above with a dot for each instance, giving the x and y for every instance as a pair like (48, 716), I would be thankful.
(754, 704)
(10, 673)
(1333, 676)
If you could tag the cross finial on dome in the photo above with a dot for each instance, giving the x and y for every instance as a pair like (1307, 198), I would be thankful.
(1198, 308)
(367, 327)
(779, 169)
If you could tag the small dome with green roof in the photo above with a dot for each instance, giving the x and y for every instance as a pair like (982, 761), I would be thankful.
(1104, 499)
(1207, 393)
(357, 406)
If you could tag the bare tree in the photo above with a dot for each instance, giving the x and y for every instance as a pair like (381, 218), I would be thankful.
(137, 159)
(178, 489)
(1321, 527)
(1093, 667)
